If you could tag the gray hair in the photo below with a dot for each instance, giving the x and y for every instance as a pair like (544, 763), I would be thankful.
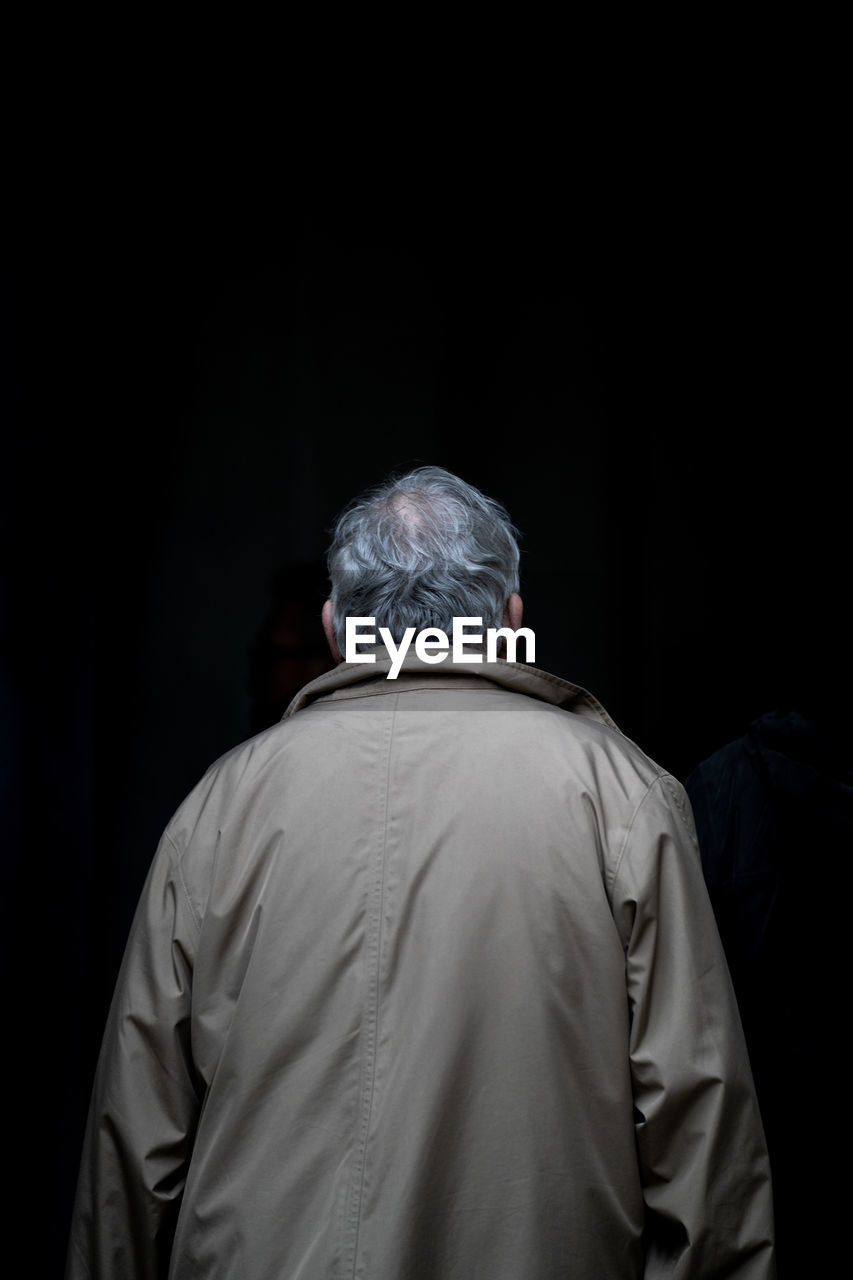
(420, 550)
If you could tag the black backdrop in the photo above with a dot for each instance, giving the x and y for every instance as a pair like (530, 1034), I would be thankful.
(201, 379)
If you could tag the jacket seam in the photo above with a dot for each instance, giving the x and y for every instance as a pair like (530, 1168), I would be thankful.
(374, 958)
(624, 847)
(177, 862)
(681, 802)
(80, 1256)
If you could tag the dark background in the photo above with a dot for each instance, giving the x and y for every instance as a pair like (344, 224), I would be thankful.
(204, 365)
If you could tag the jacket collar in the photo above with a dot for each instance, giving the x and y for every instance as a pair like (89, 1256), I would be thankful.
(361, 679)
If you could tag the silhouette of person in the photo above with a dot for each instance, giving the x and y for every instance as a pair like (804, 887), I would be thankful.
(289, 650)
(774, 816)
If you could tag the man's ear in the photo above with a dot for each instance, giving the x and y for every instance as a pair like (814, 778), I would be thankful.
(513, 611)
(328, 627)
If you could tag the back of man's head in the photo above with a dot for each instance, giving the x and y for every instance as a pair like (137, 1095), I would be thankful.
(420, 550)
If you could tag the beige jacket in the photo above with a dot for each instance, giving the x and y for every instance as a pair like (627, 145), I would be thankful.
(424, 982)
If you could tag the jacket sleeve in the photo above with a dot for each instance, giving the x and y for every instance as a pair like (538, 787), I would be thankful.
(700, 1143)
(145, 1100)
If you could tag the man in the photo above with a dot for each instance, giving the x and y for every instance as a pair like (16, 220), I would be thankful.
(424, 981)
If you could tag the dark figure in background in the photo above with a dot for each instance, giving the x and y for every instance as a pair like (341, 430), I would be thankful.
(289, 650)
(774, 815)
